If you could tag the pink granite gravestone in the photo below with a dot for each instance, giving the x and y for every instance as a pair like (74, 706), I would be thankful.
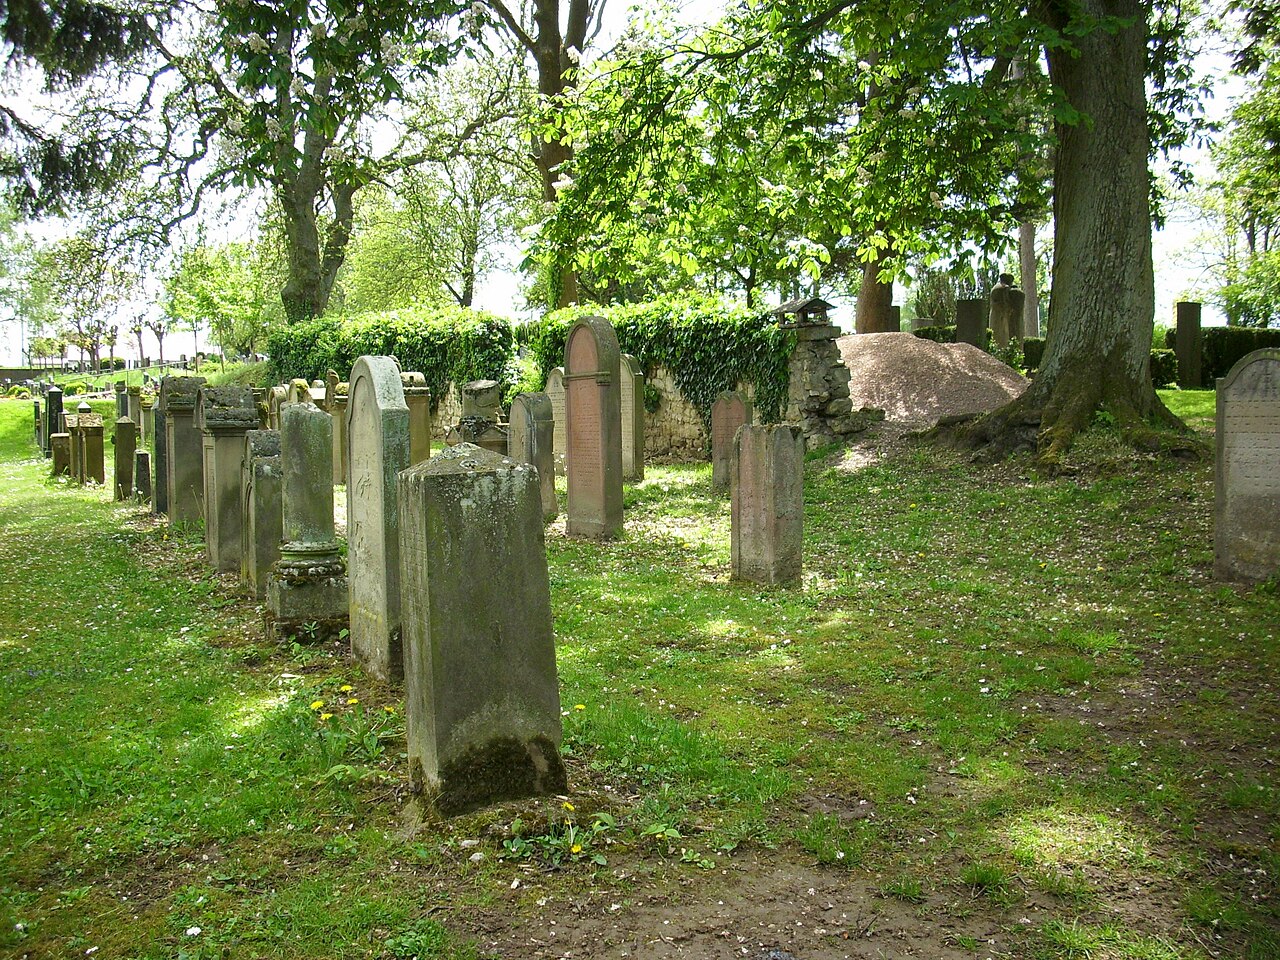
(594, 433)
(728, 413)
(768, 504)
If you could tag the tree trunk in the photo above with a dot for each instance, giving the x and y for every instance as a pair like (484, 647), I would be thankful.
(1030, 285)
(875, 297)
(1101, 316)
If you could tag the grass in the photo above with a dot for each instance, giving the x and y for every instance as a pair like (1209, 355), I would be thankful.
(1018, 687)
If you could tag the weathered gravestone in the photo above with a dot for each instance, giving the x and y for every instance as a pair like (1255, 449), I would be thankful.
(1246, 535)
(482, 704)
(147, 425)
(1187, 344)
(377, 450)
(482, 398)
(730, 411)
(767, 535)
(184, 448)
(417, 397)
(160, 459)
(337, 393)
(971, 322)
(122, 400)
(631, 403)
(142, 475)
(559, 436)
(1006, 311)
(224, 415)
(126, 444)
(93, 454)
(593, 460)
(263, 518)
(529, 441)
(61, 448)
(39, 425)
(135, 404)
(75, 447)
(277, 396)
(52, 417)
(307, 589)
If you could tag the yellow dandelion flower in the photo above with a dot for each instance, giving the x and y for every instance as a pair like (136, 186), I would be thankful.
(389, 708)
(576, 848)
(579, 706)
(317, 704)
(567, 805)
(326, 716)
(346, 688)
(352, 700)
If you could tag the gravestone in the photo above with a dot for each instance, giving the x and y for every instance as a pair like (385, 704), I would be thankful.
(377, 450)
(631, 402)
(482, 704)
(52, 416)
(160, 460)
(971, 322)
(338, 410)
(1246, 530)
(276, 397)
(559, 435)
(61, 449)
(134, 401)
(1187, 344)
(730, 411)
(529, 441)
(895, 318)
(122, 400)
(482, 398)
(593, 459)
(307, 588)
(1006, 311)
(417, 398)
(75, 443)
(142, 475)
(126, 444)
(767, 491)
(262, 512)
(224, 415)
(147, 425)
(93, 454)
(184, 448)
(39, 425)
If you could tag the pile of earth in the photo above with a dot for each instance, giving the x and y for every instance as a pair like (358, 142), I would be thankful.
(917, 380)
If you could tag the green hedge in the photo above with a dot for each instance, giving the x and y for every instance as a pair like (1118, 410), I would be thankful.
(707, 347)
(443, 343)
(1221, 348)
(947, 334)
(1164, 368)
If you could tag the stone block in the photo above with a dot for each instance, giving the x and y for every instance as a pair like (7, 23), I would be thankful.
(767, 535)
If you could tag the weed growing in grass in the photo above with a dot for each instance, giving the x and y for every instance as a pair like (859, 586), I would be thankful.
(908, 889)
(987, 879)
(565, 841)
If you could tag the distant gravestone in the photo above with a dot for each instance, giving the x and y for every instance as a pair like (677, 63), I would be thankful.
(529, 441)
(482, 703)
(263, 518)
(338, 410)
(126, 446)
(593, 459)
(559, 436)
(631, 402)
(1246, 537)
(768, 504)
(160, 460)
(184, 448)
(307, 589)
(1187, 344)
(730, 411)
(135, 404)
(75, 447)
(93, 452)
(482, 398)
(52, 417)
(417, 398)
(224, 415)
(971, 322)
(142, 475)
(39, 426)
(1006, 311)
(61, 449)
(377, 450)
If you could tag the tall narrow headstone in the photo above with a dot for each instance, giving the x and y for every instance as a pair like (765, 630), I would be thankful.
(160, 460)
(377, 450)
(184, 448)
(593, 459)
(1187, 341)
(631, 402)
(263, 526)
(971, 322)
(75, 444)
(122, 400)
(61, 446)
(730, 411)
(52, 416)
(126, 444)
(529, 441)
(223, 416)
(559, 436)
(482, 703)
(307, 590)
(134, 400)
(142, 475)
(417, 398)
(93, 452)
(338, 410)
(39, 425)
(1246, 530)
(147, 425)
(768, 504)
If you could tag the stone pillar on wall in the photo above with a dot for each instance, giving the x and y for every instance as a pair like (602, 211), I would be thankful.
(818, 395)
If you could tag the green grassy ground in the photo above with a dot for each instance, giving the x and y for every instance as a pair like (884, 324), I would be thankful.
(996, 696)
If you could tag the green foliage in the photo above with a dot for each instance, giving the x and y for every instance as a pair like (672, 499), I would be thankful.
(1252, 298)
(443, 343)
(1222, 347)
(706, 346)
(1033, 352)
(1164, 368)
(565, 841)
(943, 334)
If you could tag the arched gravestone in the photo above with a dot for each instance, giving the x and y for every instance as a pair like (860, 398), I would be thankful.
(631, 398)
(1246, 529)
(728, 413)
(559, 438)
(593, 460)
(377, 450)
(529, 441)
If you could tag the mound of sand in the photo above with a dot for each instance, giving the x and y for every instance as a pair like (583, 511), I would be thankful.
(913, 379)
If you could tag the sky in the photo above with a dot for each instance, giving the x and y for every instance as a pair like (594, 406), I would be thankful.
(1183, 251)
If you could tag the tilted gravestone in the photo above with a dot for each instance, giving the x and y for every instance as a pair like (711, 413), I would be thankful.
(529, 441)
(482, 704)
(631, 403)
(224, 415)
(262, 512)
(559, 438)
(377, 450)
(593, 460)
(767, 490)
(1246, 534)
(184, 448)
(482, 398)
(126, 444)
(307, 589)
(730, 411)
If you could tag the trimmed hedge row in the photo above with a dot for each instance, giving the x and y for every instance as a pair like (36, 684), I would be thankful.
(947, 334)
(706, 346)
(443, 343)
(1164, 363)
(1221, 348)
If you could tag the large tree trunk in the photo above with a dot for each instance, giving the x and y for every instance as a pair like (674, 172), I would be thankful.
(1101, 315)
(875, 297)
